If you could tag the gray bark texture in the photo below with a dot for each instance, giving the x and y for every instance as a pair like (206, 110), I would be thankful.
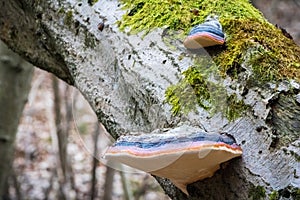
(124, 78)
(15, 79)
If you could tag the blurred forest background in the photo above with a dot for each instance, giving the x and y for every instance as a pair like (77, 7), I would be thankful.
(58, 135)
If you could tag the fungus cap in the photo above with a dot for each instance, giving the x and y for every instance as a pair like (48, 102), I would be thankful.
(206, 34)
(182, 159)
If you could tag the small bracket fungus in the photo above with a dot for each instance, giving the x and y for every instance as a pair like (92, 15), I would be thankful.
(206, 34)
(182, 159)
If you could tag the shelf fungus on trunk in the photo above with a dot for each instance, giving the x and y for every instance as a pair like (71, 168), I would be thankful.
(206, 34)
(182, 158)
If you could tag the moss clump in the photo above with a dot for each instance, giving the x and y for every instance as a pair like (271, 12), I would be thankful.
(257, 193)
(189, 92)
(274, 195)
(235, 107)
(276, 57)
(61, 10)
(296, 193)
(243, 24)
(68, 18)
(198, 88)
(144, 15)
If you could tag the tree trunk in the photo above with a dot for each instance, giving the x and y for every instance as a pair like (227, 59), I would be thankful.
(15, 79)
(127, 77)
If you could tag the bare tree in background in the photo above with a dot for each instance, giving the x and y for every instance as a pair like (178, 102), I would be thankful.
(63, 123)
(95, 163)
(285, 14)
(15, 79)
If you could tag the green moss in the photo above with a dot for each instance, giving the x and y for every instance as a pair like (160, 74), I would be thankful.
(296, 193)
(235, 107)
(275, 57)
(274, 195)
(144, 15)
(189, 92)
(61, 10)
(198, 88)
(243, 24)
(68, 17)
(257, 193)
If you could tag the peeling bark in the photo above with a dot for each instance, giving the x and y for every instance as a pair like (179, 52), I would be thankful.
(124, 78)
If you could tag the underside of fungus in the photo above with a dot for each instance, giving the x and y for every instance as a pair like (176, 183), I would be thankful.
(183, 159)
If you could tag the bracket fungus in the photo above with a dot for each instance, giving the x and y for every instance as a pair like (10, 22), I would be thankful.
(206, 34)
(183, 158)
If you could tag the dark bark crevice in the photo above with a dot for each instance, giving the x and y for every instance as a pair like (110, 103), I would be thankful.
(24, 34)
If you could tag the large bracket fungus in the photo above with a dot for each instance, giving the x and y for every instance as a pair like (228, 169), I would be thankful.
(183, 158)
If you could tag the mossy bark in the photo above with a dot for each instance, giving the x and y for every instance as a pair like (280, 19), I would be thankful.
(125, 78)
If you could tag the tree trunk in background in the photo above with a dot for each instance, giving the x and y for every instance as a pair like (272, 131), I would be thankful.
(95, 163)
(124, 77)
(15, 79)
(63, 120)
(108, 185)
(62, 139)
(275, 11)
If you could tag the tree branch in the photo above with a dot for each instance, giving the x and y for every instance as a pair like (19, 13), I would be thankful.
(124, 77)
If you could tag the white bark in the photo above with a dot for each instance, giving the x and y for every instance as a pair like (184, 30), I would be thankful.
(124, 78)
